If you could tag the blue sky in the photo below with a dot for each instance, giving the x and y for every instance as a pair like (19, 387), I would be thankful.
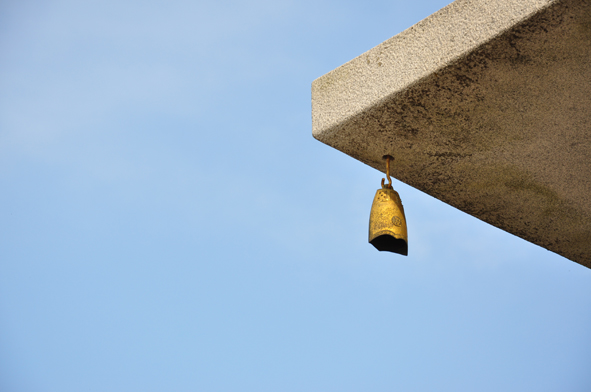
(170, 224)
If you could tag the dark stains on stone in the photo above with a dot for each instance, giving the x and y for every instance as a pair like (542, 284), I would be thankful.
(449, 154)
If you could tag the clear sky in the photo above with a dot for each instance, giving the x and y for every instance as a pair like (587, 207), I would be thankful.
(168, 223)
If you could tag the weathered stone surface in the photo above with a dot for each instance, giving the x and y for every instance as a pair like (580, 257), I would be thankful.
(485, 105)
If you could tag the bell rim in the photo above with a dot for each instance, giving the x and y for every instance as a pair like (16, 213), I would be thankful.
(389, 232)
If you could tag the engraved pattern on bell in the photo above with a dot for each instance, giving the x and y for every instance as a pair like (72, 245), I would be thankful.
(383, 197)
(396, 221)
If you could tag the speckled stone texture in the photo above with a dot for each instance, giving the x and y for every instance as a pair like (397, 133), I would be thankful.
(485, 105)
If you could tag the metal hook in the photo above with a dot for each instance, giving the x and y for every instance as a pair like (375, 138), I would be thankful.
(389, 186)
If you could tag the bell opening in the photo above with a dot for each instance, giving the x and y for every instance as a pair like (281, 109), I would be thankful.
(388, 243)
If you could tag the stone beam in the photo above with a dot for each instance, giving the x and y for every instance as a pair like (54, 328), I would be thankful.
(485, 105)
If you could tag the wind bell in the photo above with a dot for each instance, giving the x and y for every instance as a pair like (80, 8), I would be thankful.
(387, 223)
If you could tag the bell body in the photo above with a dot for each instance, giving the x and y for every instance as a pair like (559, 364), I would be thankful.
(387, 223)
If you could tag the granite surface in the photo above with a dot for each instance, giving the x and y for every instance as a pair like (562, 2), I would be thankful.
(485, 105)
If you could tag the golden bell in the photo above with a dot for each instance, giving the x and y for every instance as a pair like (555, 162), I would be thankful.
(387, 223)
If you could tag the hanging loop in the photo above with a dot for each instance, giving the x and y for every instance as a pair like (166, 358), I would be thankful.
(389, 185)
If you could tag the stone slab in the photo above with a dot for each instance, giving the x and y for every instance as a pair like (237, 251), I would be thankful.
(485, 105)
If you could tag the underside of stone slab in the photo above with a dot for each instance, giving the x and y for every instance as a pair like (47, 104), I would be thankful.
(485, 105)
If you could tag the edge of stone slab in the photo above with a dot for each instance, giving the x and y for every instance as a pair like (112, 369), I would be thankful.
(401, 61)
